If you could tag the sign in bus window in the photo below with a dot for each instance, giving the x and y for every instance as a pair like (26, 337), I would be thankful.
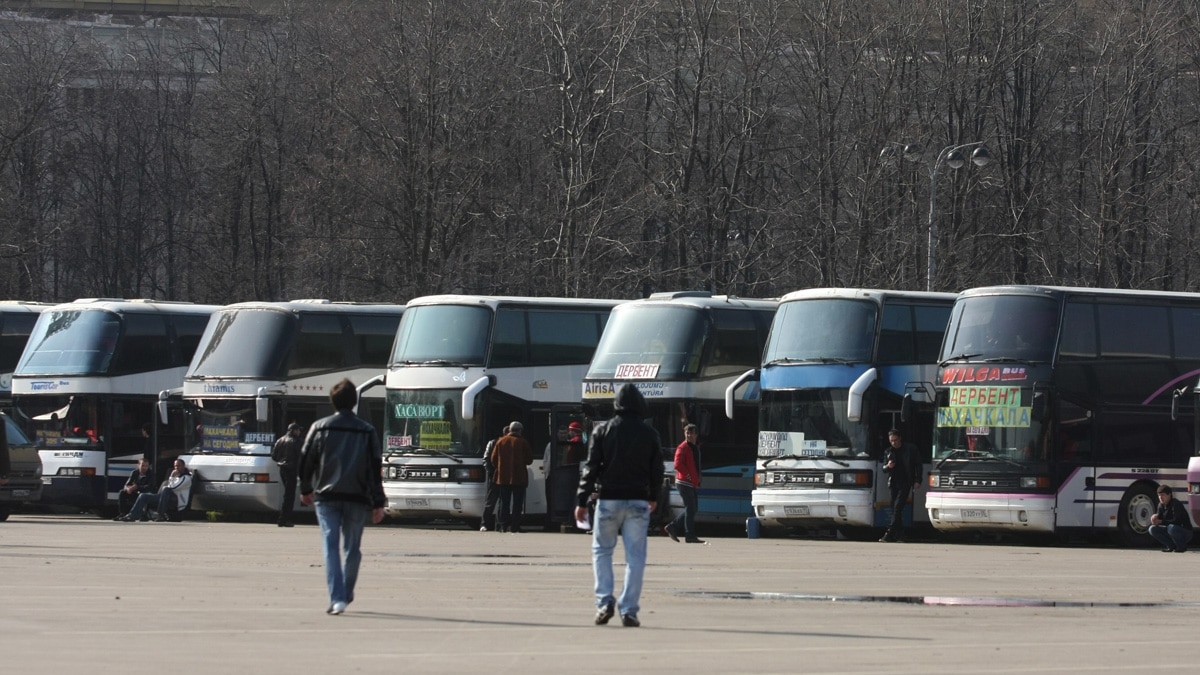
(995, 406)
(435, 435)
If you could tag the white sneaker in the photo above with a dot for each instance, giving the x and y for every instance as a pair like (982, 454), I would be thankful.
(483, 528)
(337, 608)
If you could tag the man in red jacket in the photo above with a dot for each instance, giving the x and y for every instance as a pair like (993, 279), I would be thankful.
(687, 480)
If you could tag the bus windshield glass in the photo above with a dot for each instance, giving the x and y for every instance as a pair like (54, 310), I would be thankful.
(816, 417)
(822, 330)
(71, 342)
(227, 426)
(252, 343)
(1002, 328)
(1012, 447)
(443, 334)
(429, 421)
(669, 340)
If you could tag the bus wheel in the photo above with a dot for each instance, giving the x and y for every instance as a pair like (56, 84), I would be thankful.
(1133, 520)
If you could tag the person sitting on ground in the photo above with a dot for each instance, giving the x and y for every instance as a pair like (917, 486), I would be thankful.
(1171, 526)
(141, 481)
(173, 496)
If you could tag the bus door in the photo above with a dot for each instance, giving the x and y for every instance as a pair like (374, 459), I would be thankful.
(564, 455)
(1067, 442)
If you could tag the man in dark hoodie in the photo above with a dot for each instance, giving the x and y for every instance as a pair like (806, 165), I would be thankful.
(625, 468)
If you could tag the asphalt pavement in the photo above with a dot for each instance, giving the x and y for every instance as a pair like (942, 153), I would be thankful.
(78, 594)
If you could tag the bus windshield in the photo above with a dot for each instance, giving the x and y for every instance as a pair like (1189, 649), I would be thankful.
(822, 330)
(1002, 328)
(252, 343)
(443, 334)
(818, 415)
(1014, 447)
(429, 421)
(71, 342)
(227, 426)
(671, 338)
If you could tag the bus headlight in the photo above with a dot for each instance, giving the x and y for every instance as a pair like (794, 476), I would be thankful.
(1194, 488)
(467, 474)
(856, 478)
(1035, 481)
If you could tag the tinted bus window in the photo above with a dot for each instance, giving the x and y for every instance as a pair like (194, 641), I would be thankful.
(321, 345)
(144, 345)
(1134, 331)
(562, 337)
(374, 336)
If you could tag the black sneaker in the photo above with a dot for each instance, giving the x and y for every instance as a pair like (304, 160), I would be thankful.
(604, 614)
(670, 533)
(630, 621)
(695, 540)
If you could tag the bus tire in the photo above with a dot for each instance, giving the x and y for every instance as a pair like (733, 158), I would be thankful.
(1133, 519)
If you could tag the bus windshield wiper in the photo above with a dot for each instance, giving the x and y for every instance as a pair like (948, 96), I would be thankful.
(952, 455)
(812, 359)
(960, 357)
(778, 457)
(418, 450)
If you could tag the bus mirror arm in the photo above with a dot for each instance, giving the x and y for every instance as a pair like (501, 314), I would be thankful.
(729, 391)
(365, 387)
(469, 394)
(1175, 396)
(164, 398)
(906, 405)
(855, 402)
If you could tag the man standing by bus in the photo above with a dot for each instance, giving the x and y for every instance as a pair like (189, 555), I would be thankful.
(687, 481)
(511, 455)
(286, 453)
(625, 467)
(903, 467)
(340, 470)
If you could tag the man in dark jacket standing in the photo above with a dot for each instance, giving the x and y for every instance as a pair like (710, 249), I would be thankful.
(286, 453)
(510, 456)
(340, 466)
(625, 467)
(903, 467)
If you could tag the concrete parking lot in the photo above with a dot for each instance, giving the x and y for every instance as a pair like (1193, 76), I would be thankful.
(85, 595)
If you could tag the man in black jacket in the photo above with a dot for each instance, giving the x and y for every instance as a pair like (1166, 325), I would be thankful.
(1171, 525)
(286, 453)
(625, 468)
(340, 468)
(141, 480)
(903, 467)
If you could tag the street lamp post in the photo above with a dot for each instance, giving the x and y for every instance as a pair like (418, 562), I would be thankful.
(953, 157)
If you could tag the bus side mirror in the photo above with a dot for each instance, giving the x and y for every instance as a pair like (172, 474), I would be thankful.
(906, 408)
(1037, 410)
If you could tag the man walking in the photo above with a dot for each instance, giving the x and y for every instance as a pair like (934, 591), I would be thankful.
(687, 481)
(340, 467)
(625, 467)
(286, 453)
(903, 467)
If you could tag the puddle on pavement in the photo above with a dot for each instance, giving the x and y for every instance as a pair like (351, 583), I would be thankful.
(936, 600)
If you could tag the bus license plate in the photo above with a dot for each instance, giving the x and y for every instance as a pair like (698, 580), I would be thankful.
(213, 487)
(795, 510)
(974, 514)
(416, 502)
(20, 493)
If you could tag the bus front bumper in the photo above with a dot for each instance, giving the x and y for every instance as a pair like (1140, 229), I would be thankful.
(813, 508)
(435, 500)
(1013, 512)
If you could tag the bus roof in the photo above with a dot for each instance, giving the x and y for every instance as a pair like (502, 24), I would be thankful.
(319, 306)
(1075, 290)
(23, 306)
(703, 299)
(139, 305)
(875, 294)
(497, 300)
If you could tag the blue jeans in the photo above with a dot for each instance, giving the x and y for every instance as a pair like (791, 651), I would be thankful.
(158, 503)
(1172, 536)
(687, 519)
(630, 518)
(342, 523)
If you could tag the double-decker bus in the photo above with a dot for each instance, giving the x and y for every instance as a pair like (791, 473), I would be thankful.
(87, 386)
(16, 323)
(464, 367)
(682, 350)
(1055, 409)
(261, 366)
(837, 370)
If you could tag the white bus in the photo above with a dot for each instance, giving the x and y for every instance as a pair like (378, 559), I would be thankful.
(16, 323)
(463, 368)
(261, 366)
(87, 386)
(836, 372)
(682, 350)
(1055, 410)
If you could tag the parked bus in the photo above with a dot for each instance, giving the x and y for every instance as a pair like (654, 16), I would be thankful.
(261, 366)
(682, 350)
(1055, 409)
(16, 323)
(464, 367)
(87, 385)
(836, 371)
